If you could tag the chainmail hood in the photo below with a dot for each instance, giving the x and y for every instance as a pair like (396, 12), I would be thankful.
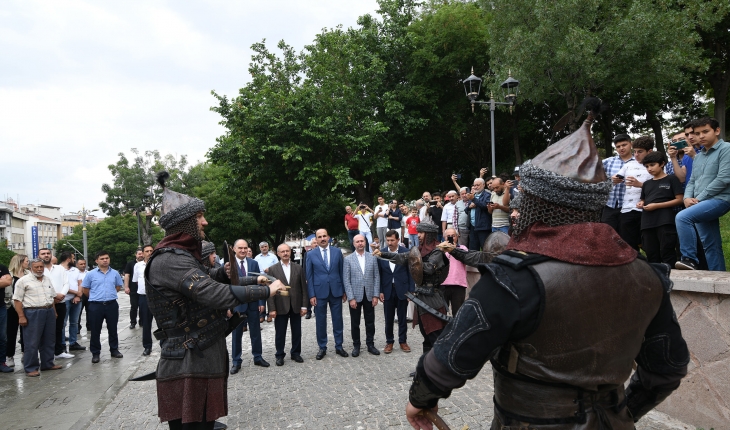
(425, 227)
(208, 248)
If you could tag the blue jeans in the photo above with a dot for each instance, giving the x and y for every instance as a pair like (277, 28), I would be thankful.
(413, 241)
(73, 312)
(705, 217)
(504, 229)
(3, 331)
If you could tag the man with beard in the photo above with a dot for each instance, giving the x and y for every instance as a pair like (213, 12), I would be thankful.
(189, 303)
(561, 344)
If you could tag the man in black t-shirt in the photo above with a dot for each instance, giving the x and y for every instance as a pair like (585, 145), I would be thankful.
(659, 198)
(436, 210)
(131, 288)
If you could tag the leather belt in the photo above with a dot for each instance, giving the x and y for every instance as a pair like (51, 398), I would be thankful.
(39, 307)
(108, 302)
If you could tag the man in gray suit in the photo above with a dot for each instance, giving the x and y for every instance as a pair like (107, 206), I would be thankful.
(362, 287)
(289, 308)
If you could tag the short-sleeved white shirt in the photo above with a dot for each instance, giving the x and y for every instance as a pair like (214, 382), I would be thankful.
(633, 194)
(138, 276)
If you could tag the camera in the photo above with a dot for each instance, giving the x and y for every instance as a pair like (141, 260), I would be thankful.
(432, 203)
(362, 206)
(680, 144)
(450, 239)
(458, 176)
(620, 177)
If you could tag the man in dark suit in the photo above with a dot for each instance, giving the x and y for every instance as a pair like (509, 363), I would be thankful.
(289, 308)
(251, 310)
(395, 281)
(324, 285)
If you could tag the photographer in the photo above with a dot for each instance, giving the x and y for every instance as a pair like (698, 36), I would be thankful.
(381, 218)
(479, 215)
(364, 216)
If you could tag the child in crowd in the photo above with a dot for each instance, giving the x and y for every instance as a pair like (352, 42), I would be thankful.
(633, 173)
(659, 197)
(411, 223)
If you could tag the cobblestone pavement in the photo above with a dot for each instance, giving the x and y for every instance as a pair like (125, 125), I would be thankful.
(367, 392)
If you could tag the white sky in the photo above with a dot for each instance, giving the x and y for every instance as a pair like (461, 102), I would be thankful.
(82, 81)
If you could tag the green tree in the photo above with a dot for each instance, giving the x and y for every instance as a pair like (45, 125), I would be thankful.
(134, 178)
(5, 253)
(115, 234)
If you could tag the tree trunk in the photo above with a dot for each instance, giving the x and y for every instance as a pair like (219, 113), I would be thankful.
(605, 121)
(516, 138)
(720, 82)
(656, 126)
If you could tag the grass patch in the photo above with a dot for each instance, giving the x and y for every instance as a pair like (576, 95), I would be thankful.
(725, 233)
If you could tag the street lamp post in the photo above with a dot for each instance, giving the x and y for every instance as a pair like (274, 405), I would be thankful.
(84, 212)
(472, 86)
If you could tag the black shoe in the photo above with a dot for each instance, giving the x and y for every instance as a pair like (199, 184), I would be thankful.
(133, 325)
(373, 350)
(341, 352)
(309, 315)
(262, 363)
(147, 351)
(686, 264)
(219, 426)
(355, 351)
(322, 352)
(76, 347)
(297, 358)
(235, 368)
(412, 375)
(117, 354)
(409, 320)
(279, 361)
(95, 358)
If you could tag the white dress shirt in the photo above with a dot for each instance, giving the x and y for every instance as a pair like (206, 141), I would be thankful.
(287, 271)
(58, 277)
(321, 250)
(361, 260)
(138, 276)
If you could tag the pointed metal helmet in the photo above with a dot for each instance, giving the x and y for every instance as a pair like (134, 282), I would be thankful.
(176, 207)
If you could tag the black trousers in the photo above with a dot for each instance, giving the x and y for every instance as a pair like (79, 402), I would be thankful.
(61, 316)
(454, 296)
(390, 306)
(428, 339)
(134, 304)
(178, 425)
(610, 216)
(294, 320)
(84, 306)
(365, 306)
(660, 244)
(630, 228)
(12, 332)
(477, 238)
(97, 313)
(145, 320)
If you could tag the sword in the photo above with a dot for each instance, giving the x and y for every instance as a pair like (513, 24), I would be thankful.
(437, 420)
(270, 278)
(427, 308)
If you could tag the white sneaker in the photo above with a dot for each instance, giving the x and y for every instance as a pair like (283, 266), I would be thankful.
(64, 355)
(10, 361)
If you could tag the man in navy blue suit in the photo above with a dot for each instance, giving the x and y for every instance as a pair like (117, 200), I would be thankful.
(252, 310)
(324, 283)
(395, 281)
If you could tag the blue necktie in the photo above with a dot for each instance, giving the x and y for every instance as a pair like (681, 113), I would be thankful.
(326, 261)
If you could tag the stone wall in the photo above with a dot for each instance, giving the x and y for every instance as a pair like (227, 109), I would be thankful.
(701, 301)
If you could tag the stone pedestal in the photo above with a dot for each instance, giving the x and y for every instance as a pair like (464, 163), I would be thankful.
(700, 300)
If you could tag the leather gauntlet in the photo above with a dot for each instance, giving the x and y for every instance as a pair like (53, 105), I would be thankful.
(250, 293)
(423, 393)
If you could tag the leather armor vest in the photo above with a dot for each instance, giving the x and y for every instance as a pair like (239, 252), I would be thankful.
(182, 322)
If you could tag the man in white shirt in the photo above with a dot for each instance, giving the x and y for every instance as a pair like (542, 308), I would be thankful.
(73, 306)
(144, 311)
(381, 217)
(634, 174)
(265, 259)
(447, 216)
(59, 279)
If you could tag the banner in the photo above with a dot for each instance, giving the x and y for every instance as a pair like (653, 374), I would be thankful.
(34, 236)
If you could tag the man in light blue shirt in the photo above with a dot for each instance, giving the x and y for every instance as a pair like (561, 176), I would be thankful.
(101, 286)
(266, 259)
(707, 198)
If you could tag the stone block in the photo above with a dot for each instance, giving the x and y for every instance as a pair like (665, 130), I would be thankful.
(703, 338)
(723, 314)
(697, 403)
(680, 301)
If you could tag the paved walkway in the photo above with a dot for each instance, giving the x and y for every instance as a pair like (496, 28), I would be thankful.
(367, 392)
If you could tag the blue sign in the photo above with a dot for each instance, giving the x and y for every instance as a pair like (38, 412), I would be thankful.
(34, 236)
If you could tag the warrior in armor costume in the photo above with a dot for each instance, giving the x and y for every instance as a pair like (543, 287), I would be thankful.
(189, 302)
(563, 314)
(432, 267)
